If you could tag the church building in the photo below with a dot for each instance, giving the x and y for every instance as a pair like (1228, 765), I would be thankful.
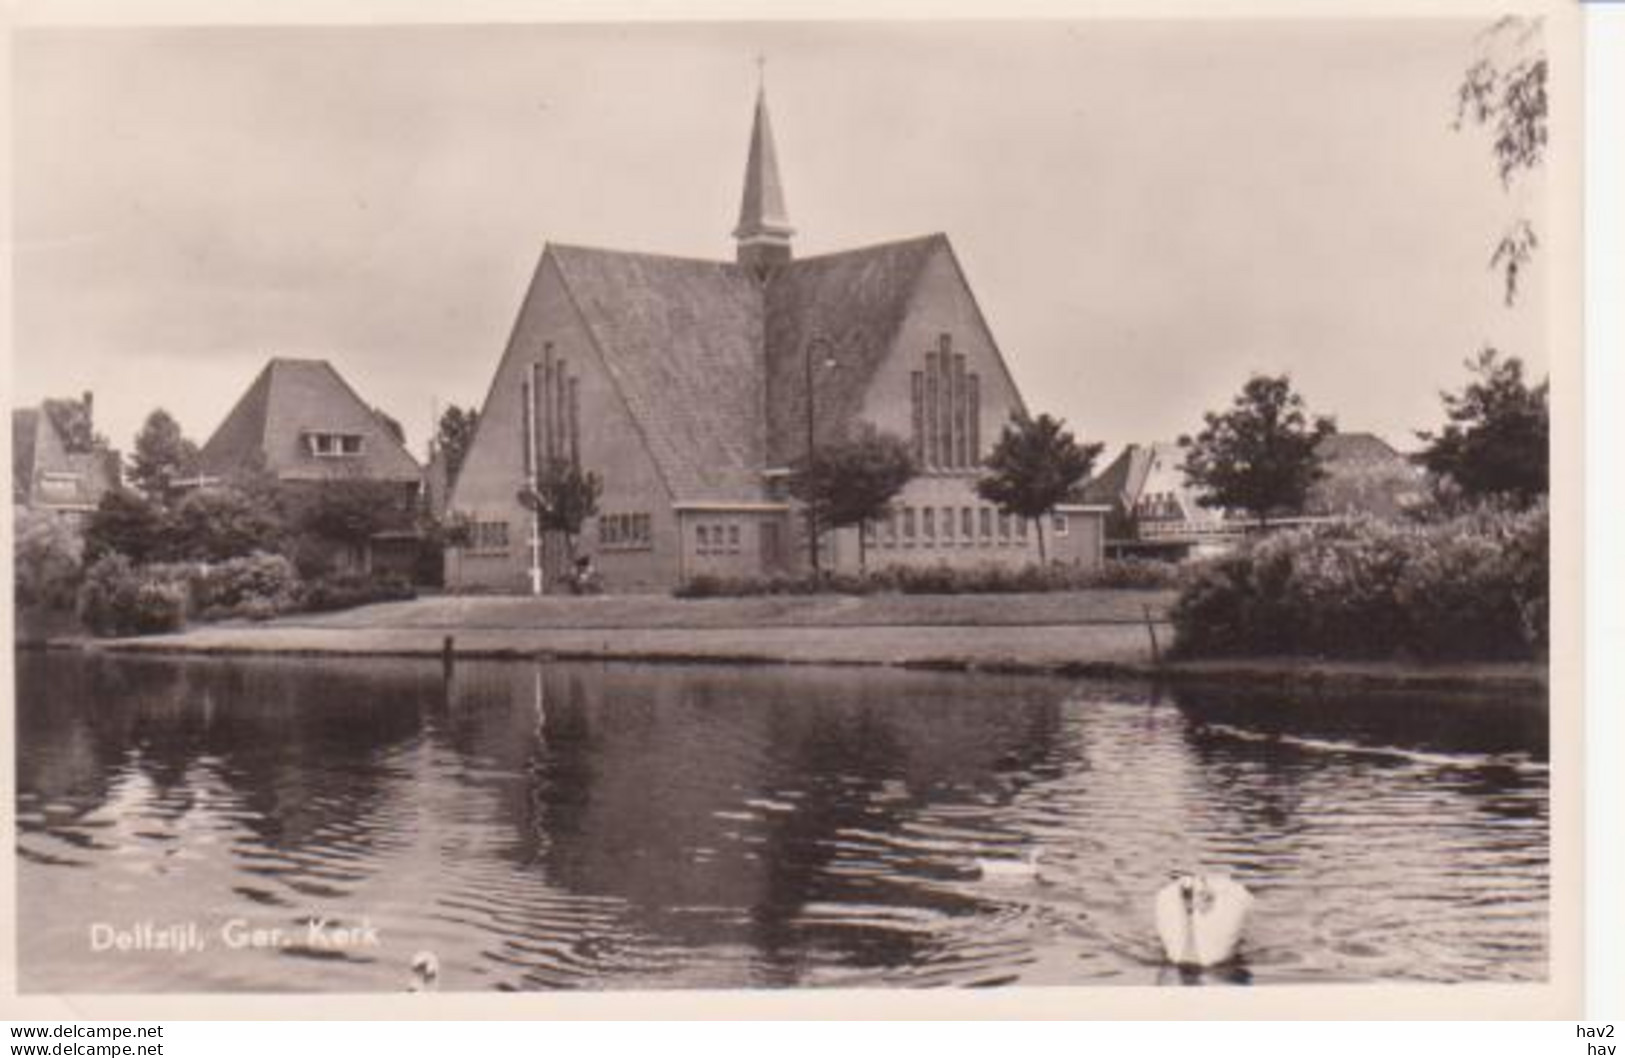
(690, 387)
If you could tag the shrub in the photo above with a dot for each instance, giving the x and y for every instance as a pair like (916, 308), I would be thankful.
(341, 591)
(258, 586)
(1474, 586)
(118, 599)
(941, 579)
(217, 524)
(49, 559)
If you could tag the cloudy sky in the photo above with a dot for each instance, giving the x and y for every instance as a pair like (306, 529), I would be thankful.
(1147, 211)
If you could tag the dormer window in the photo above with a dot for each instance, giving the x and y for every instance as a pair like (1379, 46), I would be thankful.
(333, 445)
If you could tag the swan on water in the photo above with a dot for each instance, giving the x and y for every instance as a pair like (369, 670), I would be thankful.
(425, 972)
(1005, 869)
(1200, 918)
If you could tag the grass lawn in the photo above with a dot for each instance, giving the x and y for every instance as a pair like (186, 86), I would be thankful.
(452, 612)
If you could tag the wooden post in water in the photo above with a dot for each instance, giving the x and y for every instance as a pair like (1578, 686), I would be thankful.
(1151, 630)
(448, 652)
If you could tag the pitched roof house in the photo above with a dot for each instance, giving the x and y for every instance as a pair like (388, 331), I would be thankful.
(57, 462)
(301, 421)
(1154, 509)
(691, 386)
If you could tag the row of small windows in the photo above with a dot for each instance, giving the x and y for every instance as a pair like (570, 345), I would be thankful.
(625, 532)
(967, 526)
(329, 445)
(718, 538)
(489, 537)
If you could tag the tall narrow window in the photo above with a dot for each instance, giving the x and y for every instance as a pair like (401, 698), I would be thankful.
(526, 429)
(950, 402)
(928, 523)
(917, 414)
(973, 417)
(575, 421)
(559, 412)
(932, 415)
(961, 400)
(542, 378)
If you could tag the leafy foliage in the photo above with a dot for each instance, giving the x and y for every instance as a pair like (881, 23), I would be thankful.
(853, 481)
(454, 437)
(48, 559)
(1036, 464)
(349, 511)
(1495, 443)
(216, 524)
(126, 523)
(992, 578)
(162, 457)
(1504, 90)
(118, 599)
(256, 586)
(1260, 456)
(1473, 587)
(565, 496)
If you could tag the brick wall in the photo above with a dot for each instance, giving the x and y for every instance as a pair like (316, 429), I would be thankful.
(610, 446)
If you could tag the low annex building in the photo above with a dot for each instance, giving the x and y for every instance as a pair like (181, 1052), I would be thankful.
(691, 386)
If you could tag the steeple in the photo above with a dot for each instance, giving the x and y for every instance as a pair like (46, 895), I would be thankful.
(764, 231)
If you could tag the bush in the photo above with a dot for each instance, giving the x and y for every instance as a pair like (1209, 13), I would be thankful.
(118, 599)
(341, 591)
(942, 579)
(1474, 586)
(258, 586)
(49, 556)
(218, 524)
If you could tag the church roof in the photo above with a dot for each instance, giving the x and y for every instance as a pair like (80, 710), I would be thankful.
(854, 300)
(710, 362)
(761, 207)
(682, 339)
(288, 400)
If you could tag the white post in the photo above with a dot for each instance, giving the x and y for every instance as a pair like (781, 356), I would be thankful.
(535, 514)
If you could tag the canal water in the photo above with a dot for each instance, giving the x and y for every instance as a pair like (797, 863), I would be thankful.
(314, 824)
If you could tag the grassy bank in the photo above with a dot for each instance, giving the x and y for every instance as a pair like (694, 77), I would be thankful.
(1084, 634)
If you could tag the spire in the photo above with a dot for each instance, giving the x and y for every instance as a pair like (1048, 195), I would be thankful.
(764, 231)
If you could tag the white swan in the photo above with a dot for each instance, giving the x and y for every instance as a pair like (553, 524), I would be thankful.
(425, 972)
(1004, 869)
(1200, 918)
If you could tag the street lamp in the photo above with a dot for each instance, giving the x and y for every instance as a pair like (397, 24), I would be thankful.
(817, 341)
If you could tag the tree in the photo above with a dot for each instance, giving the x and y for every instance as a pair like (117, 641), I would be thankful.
(564, 496)
(854, 481)
(162, 457)
(454, 436)
(1260, 456)
(215, 524)
(349, 511)
(48, 559)
(1495, 443)
(1035, 465)
(126, 523)
(1505, 90)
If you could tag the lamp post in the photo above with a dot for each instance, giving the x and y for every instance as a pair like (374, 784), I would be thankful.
(817, 341)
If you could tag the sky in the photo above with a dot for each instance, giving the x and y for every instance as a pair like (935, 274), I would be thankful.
(1147, 212)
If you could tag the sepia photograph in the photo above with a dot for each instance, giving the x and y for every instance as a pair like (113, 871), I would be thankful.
(641, 507)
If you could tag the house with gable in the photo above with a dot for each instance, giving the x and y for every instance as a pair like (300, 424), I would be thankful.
(691, 387)
(58, 464)
(301, 424)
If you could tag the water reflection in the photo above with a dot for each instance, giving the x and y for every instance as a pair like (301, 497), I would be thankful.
(562, 826)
